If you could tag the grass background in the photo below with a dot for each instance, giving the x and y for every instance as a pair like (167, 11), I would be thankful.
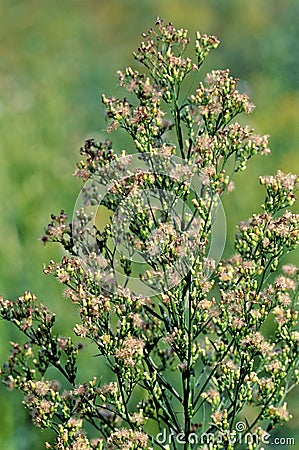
(56, 57)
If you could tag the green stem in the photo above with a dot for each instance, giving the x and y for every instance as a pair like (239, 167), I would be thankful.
(187, 372)
(178, 127)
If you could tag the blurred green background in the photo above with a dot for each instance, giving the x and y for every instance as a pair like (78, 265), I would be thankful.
(56, 57)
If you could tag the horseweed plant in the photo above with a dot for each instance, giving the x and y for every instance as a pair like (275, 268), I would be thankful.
(201, 353)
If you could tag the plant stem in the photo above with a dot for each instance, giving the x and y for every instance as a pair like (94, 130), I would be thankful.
(187, 372)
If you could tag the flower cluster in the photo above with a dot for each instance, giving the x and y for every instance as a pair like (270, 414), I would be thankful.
(265, 238)
(184, 342)
(281, 190)
(219, 102)
(58, 231)
(43, 348)
(96, 155)
(163, 51)
(127, 439)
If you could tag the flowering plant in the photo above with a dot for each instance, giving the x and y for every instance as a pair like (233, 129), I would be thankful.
(201, 352)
